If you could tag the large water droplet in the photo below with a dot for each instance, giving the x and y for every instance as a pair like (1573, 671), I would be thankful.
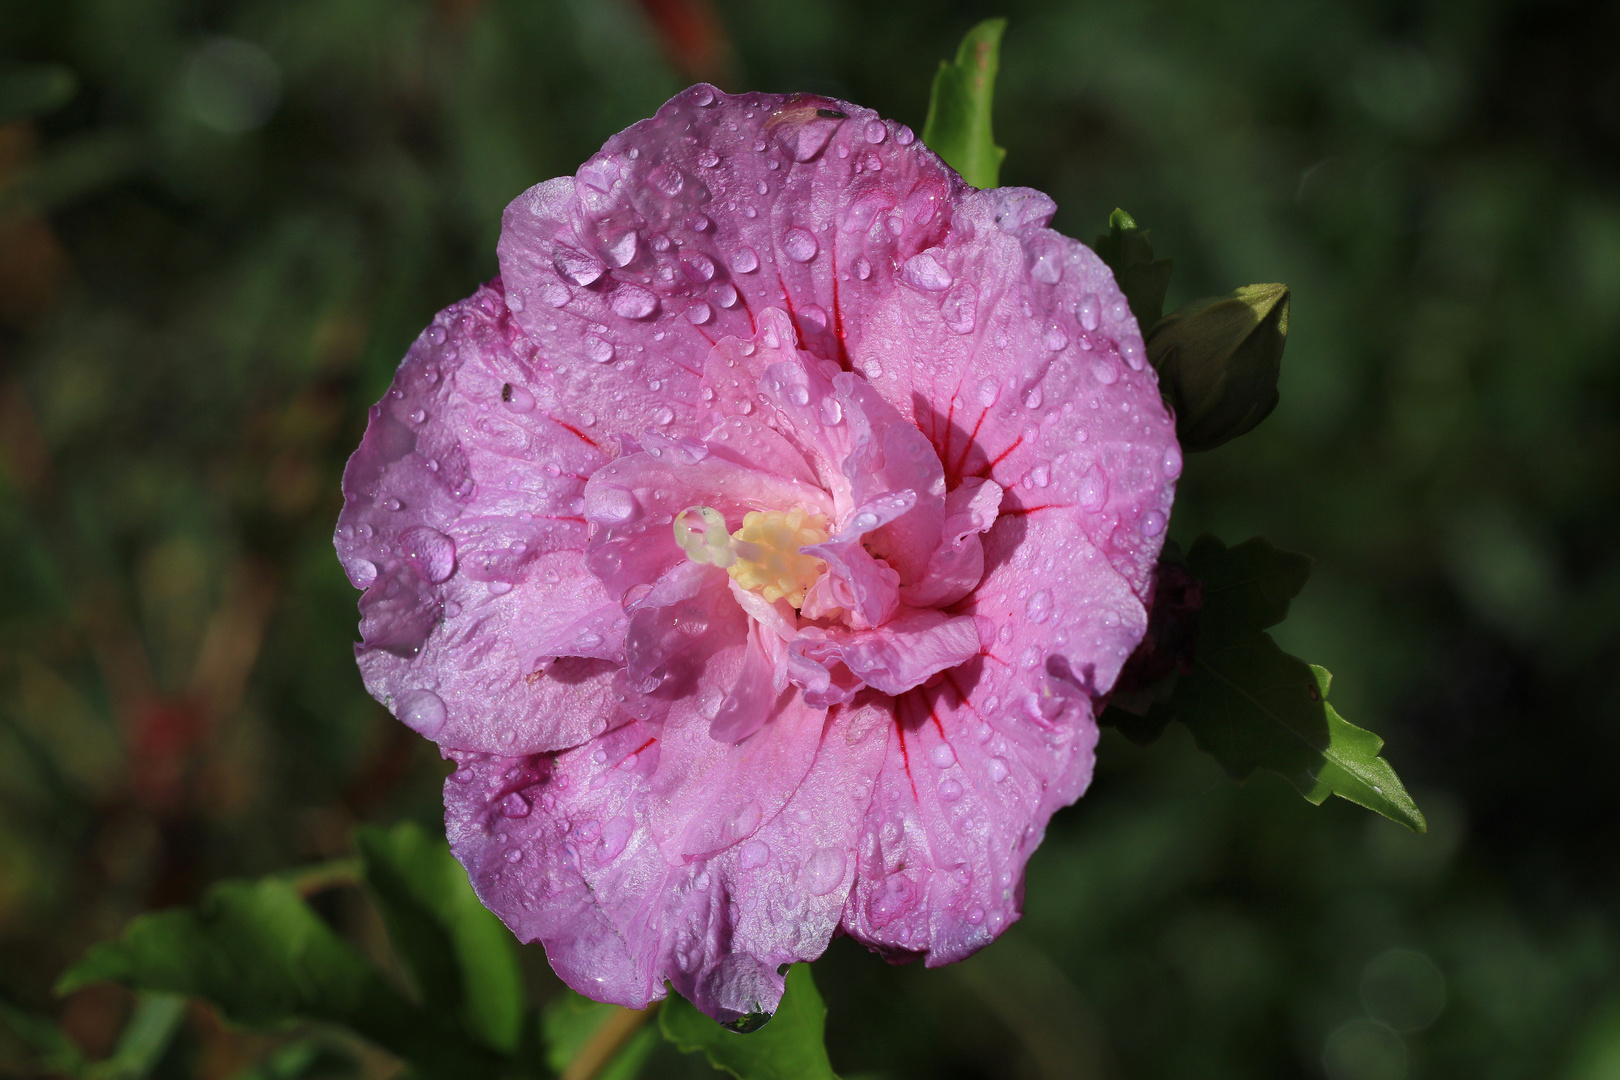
(876, 131)
(988, 392)
(422, 711)
(942, 755)
(622, 249)
(997, 770)
(1152, 523)
(925, 272)
(745, 260)
(1089, 310)
(823, 871)
(632, 302)
(615, 834)
(612, 505)
(699, 313)
(1172, 461)
(1054, 337)
(863, 269)
(905, 136)
(1093, 489)
(430, 553)
(1033, 398)
(1038, 606)
(666, 179)
(515, 806)
(577, 266)
(949, 791)
(554, 293)
(799, 245)
(599, 350)
(959, 308)
(725, 294)
(1104, 371)
(703, 94)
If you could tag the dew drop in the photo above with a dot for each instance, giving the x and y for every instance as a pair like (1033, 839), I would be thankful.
(745, 260)
(613, 505)
(926, 273)
(1033, 398)
(988, 392)
(942, 755)
(599, 350)
(823, 871)
(863, 269)
(554, 293)
(430, 553)
(799, 245)
(623, 248)
(949, 791)
(699, 313)
(423, 712)
(876, 131)
(1152, 523)
(998, 770)
(1039, 606)
(515, 806)
(632, 302)
(905, 136)
(1089, 310)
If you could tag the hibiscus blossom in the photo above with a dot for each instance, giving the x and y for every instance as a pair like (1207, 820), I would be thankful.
(760, 546)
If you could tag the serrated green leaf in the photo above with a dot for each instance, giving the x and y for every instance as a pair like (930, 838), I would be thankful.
(1252, 706)
(958, 124)
(1128, 250)
(1252, 582)
(258, 953)
(790, 1047)
(462, 958)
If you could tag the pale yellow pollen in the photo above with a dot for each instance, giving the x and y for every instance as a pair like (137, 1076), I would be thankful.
(763, 555)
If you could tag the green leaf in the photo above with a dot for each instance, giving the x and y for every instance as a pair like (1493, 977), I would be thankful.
(143, 1041)
(1128, 251)
(958, 124)
(56, 1052)
(1251, 705)
(35, 89)
(790, 1047)
(606, 1042)
(463, 960)
(263, 958)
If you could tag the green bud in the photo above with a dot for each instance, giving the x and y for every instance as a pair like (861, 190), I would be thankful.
(1218, 361)
(1129, 254)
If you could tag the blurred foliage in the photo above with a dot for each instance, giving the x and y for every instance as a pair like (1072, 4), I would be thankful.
(222, 221)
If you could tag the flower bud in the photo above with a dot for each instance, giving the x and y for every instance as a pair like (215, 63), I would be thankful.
(1218, 361)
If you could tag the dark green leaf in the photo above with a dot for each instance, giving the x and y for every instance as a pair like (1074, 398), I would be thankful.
(55, 1051)
(1251, 705)
(790, 1047)
(1251, 583)
(143, 1040)
(263, 958)
(1128, 251)
(958, 124)
(464, 961)
(34, 89)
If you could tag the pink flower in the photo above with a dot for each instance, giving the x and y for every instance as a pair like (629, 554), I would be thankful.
(759, 546)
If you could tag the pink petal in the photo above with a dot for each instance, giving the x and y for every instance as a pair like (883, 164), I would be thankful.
(957, 564)
(908, 649)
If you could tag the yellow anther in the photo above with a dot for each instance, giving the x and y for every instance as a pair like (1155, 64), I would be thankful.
(763, 555)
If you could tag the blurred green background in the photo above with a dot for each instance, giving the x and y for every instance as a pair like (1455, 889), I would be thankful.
(222, 222)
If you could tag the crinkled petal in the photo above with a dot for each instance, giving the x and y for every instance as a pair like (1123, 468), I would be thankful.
(908, 649)
(462, 521)
(978, 763)
(957, 565)
(1029, 370)
(679, 232)
(556, 845)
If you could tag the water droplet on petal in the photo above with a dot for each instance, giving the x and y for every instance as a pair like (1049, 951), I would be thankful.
(799, 245)
(1033, 398)
(925, 272)
(1039, 606)
(725, 294)
(577, 267)
(422, 711)
(703, 95)
(745, 260)
(997, 770)
(1172, 461)
(613, 505)
(599, 350)
(863, 269)
(1089, 309)
(515, 806)
(514, 855)
(699, 313)
(554, 293)
(949, 791)
(823, 871)
(876, 131)
(942, 755)
(666, 179)
(1093, 489)
(430, 553)
(1104, 371)
(632, 302)
(435, 334)
(960, 308)
(1152, 523)
(905, 136)
(1054, 338)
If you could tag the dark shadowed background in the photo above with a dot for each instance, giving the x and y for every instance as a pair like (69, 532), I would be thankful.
(215, 249)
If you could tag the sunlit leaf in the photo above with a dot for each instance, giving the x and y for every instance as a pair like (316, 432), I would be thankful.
(958, 124)
(259, 954)
(1253, 706)
(789, 1047)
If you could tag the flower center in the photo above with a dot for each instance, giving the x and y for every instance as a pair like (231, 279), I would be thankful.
(763, 555)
